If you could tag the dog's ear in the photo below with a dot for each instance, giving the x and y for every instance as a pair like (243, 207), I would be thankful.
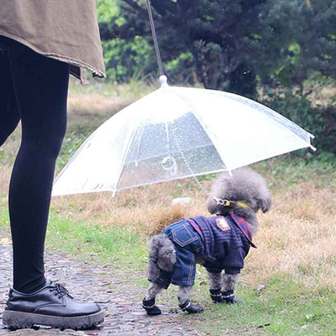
(212, 205)
(264, 204)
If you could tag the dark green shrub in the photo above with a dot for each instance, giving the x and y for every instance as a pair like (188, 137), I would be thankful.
(319, 120)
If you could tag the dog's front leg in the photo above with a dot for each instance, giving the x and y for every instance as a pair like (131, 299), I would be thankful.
(185, 303)
(148, 302)
(215, 282)
(229, 284)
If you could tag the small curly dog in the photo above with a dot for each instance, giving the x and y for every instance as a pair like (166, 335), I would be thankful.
(219, 242)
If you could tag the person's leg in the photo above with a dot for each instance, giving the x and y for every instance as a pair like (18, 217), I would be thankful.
(9, 116)
(41, 87)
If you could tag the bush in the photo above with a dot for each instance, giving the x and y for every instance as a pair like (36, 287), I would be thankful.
(319, 120)
(127, 60)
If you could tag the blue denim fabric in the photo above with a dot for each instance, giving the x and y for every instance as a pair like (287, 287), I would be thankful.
(188, 244)
(221, 250)
(183, 235)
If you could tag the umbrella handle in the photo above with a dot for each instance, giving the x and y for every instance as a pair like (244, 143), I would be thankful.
(169, 164)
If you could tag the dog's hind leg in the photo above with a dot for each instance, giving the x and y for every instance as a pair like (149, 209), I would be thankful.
(184, 294)
(229, 284)
(153, 290)
(185, 304)
(148, 302)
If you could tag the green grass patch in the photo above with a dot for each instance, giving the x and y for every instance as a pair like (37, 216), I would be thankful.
(110, 245)
(283, 308)
(288, 170)
(130, 91)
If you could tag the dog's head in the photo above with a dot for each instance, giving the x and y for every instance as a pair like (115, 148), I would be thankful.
(244, 189)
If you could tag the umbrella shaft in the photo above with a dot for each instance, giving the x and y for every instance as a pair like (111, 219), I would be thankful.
(155, 38)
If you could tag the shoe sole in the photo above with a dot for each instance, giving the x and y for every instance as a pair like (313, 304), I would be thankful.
(21, 320)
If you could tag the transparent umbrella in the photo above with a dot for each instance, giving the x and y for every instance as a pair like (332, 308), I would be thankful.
(175, 133)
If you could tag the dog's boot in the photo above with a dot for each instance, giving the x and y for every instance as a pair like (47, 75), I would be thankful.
(150, 307)
(229, 297)
(191, 308)
(216, 296)
(50, 306)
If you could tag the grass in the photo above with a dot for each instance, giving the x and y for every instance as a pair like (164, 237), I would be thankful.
(84, 240)
(116, 246)
(282, 308)
(288, 283)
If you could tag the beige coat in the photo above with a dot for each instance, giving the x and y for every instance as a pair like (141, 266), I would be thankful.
(66, 30)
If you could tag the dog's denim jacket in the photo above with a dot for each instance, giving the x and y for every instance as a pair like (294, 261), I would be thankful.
(220, 244)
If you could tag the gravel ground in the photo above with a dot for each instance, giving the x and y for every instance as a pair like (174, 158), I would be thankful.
(86, 281)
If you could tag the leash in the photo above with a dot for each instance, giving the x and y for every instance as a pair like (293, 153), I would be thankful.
(155, 38)
(240, 224)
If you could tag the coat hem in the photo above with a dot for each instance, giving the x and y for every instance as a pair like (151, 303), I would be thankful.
(69, 60)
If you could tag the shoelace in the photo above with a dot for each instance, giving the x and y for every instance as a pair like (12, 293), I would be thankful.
(60, 290)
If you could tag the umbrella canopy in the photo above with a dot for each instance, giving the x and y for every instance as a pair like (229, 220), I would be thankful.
(175, 133)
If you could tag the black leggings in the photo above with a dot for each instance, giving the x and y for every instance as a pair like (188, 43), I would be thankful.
(33, 90)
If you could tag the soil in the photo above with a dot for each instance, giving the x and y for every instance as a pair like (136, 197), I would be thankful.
(120, 297)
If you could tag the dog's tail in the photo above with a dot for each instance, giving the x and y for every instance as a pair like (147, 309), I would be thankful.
(165, 216)
(162, 255)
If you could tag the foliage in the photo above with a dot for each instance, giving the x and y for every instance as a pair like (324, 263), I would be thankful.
(127, 52)
(241, 46)
(312, 41)
(319, 120)
(229, 44)
(127, 60)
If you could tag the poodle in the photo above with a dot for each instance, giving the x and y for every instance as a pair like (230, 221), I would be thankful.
(219, 242)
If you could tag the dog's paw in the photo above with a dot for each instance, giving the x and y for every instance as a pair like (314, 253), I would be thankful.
(191, 308)
(216, 296)
(229, 298)
(150, 307)
(154, 311)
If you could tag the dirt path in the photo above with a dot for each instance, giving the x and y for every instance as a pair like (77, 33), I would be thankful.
(91, 282)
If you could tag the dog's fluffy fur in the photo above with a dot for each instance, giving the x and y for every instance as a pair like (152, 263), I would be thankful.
(242, 185)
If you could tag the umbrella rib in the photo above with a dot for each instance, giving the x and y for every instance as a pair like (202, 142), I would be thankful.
(131, 138)
(139, 144)
(274, 116)
(192, 108)
(188, 165)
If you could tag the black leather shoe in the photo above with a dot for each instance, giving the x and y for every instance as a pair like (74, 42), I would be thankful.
(50, 306)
